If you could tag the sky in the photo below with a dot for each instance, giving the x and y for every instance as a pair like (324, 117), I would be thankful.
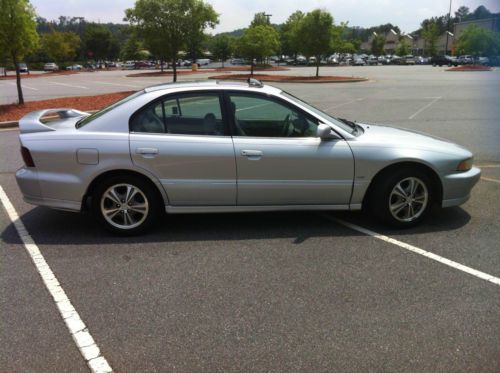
(234, 14)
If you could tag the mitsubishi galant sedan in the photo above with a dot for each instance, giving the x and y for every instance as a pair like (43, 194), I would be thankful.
(207, 147)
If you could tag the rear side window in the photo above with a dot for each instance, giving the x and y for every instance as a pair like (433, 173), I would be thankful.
(196, 114)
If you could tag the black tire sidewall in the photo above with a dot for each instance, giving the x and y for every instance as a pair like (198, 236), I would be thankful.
(379, 198)
(151, 195)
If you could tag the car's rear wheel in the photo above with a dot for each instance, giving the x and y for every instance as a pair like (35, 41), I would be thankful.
(126, 205)
(403, 198)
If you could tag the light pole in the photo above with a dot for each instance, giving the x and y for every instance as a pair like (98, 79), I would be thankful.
(448, 30)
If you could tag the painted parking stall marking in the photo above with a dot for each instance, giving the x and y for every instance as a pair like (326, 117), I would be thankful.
(79, 332)
(435, 99)
(416, 250)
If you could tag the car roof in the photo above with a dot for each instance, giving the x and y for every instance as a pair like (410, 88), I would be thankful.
(252, 85)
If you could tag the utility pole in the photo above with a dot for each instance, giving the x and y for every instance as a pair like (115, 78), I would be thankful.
(448, 30)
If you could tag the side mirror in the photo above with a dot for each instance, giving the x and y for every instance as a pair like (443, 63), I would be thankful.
(324, 131)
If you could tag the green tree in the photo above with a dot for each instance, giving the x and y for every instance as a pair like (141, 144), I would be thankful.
(430, 34)
(222, 47)
(462, 13)
(290, 40)
(378, 43)
(477, 41)
(61, 46)
(258, 42)
(98, 41)
(403, 48)
(166, 25)
(132, 49)
(202, 16)
(260, 19)
(315, 32)
(18, 36)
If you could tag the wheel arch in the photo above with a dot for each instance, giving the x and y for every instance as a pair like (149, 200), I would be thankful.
(86, 202)
(437, 185)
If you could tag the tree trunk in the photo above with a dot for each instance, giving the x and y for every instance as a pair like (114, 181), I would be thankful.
(222, 62)
(251, 69)
(174, 63)
(18, 82)
(317, 66)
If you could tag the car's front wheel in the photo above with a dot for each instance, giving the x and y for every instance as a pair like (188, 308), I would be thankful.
(126, 205)
(402, 199)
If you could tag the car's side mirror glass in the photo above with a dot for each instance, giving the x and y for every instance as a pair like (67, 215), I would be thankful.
(324, 131)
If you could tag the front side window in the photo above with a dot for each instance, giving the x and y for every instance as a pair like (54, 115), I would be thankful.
(259, 116)
(194, 114)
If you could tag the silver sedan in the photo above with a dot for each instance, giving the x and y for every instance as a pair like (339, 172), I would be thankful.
(207, 147)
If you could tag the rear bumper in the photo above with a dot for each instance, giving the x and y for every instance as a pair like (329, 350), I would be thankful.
(457, 187)
(29, 184)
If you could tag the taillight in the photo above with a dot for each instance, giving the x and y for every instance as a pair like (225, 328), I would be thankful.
(27, 158)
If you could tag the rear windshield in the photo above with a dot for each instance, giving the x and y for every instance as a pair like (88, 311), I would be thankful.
(84, 121)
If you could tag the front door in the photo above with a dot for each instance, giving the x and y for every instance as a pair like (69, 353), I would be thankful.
(279, 159)
(182, 139)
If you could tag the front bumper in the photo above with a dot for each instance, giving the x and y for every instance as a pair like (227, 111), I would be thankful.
(457, 187)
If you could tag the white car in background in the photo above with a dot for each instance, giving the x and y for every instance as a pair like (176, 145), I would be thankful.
(50, 66)
(74, 67)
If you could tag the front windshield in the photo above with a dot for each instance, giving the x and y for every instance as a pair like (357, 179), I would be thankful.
(82, 122)
(327, 117)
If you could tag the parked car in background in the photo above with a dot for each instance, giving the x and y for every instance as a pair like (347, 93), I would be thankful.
(128, 65)
(358, 61)
(203, 61)
(465, 60)
(164, 148)
(50, 66)
(407, 60)
(443, 60)
(483, 61)
(23, 68)
(74, 67)
(239, 61)
(372, 60)
(384, 60)
(421, 60)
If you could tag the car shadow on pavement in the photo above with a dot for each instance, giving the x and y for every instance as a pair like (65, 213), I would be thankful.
(50, 227)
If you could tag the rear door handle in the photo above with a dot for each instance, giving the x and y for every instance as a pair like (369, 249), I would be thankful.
(147, 152)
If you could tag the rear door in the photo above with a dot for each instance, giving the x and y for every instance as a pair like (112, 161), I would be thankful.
(183, 140)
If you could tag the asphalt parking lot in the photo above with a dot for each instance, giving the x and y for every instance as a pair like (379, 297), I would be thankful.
(273, 291)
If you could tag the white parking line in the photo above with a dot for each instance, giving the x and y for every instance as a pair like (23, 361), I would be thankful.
(119, 85)
(345, 103)
(69, 85)
(24, 86)
(489, 166)
(425, 107)
(490, 179)
(416, 250)
(81, 335)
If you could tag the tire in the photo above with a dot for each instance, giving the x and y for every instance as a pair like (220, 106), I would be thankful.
(392, 201)
(122, 216)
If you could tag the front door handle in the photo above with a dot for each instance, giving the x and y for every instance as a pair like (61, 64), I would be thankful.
(251, 153)
(147, 152)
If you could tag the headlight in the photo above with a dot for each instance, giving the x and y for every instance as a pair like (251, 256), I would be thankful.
(465, 165)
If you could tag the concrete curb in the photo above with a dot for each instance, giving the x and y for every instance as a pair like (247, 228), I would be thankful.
(11, 124)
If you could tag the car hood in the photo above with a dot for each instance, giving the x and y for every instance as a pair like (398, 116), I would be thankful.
(385, 136)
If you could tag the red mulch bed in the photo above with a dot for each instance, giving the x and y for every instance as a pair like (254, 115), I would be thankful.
(15, 112)
(291, 79)
(470, 68)
(170, 73)
(246, 68)
(52, 73)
